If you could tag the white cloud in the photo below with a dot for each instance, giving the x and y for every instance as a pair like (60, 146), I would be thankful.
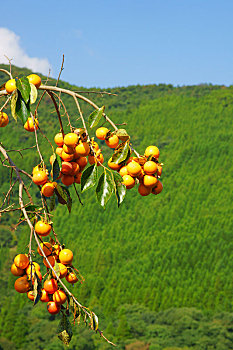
(10, 46)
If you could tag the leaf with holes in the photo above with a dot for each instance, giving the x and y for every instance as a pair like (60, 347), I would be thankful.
(65, 330)
(122, 152)
(122, 134)
(95, 117)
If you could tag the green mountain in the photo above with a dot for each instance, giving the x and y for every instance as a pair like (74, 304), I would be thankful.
(158, 270)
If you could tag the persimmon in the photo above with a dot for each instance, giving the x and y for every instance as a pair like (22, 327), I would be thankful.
(67, 180)
(10, 86)
(59, 297)
(149, 181)
(71, 277)
(101, 133)
(35, 80)
(46, 247)
(29, 125)
(22, 285)
(62, 269)
(53, 308)
(21, 261)
(128, 181)
(59, 151)
(123, 171)
(131, 159)
(143, 190)
(66, 256)
(71, 139)
(75, 168)
(77, 178)
(32, 268)
(44, 296)
(82, 161)
(68, 149)
(58, 139)
(134, 168)
(95, 145)
(51, 259)
(152, 151)
(150, 167)
(160, 169)
(113, 165)
(82, 149)
(16, 271)
(158, 188)
(112, 141)
(4, 120)
(56, 249)
(30, 295)
(47, 189)
(50, 286)
(40, 177)
(42, 228)
(66, 156)
(66, 168)
(99, 159)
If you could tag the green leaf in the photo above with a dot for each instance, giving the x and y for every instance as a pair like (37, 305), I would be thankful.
(61, 194)
(23, 86)
(14, 98)
(64, 197)
(122, 134)
(33, 94)
(65, 330)
(104, 188)
(36, 288)
(95, 117)
(120, 189)
(69, 199)
(121, 153)
(56, 166)
(22, 108)
(89, 177)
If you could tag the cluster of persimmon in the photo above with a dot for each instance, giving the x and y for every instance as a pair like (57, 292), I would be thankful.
(29, 271)
(73, 150)
(10, 87)
(145, 170)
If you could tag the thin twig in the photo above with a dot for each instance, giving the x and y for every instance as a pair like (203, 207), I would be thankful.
(60, 70)
(5, 104)
(9, 191)
(96, 92)
(77, 194)
(5, 71)
(58, 112)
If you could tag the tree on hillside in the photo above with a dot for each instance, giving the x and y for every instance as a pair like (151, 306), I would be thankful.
(42, 191)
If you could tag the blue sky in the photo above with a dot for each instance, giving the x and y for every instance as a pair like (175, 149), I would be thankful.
(125, 42)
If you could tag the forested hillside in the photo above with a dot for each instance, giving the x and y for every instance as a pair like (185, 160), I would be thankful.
(158, 270)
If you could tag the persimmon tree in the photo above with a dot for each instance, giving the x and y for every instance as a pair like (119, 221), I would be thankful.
(75, 160)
